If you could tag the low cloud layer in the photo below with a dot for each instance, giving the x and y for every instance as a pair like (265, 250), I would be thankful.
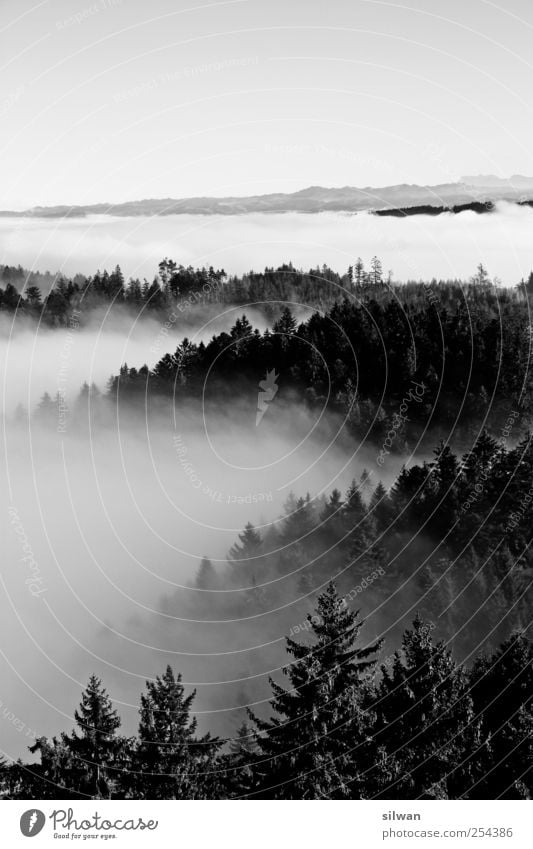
(446, 246)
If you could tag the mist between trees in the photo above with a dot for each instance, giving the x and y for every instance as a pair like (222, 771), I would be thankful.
(364, 348)
(430, 722)
(420, 728)
(440, 720)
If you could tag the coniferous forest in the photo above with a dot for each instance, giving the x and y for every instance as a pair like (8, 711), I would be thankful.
(266, 437)
(340, 727)
(438, 708)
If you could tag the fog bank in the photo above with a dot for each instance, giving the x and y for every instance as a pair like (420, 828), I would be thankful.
(446, 246)
(102, 534)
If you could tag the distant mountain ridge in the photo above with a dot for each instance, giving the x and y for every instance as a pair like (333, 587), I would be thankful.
(476, 193)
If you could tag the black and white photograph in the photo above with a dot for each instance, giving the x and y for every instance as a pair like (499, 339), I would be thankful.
(266, 462)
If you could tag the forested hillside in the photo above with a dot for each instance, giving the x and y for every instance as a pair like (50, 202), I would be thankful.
(440, 706)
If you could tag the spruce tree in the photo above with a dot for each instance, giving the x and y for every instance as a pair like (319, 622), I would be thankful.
(96, 745)
(445, 500)
(502, 688)
(286, 324)
(355, 523)
(331, 516)
(46, 412)
(380, 508)
(425, 720)
(206, 577)
(376, 272)
(33, 296)
(245, 556)
(239, 762)
(88, 762)
(359, 272)
(317, 743)
(171, 762)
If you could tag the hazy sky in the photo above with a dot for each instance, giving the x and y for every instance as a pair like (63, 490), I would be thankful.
(121, 99)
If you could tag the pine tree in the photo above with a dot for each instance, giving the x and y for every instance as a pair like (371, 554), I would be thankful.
(87, 762)
(331, 521)
(299, 522)
(134, 294)
(60, 773)
(171, 763)
(11, 297)
(445, 481)
(358, 539)
(116, 284)
(46, 412)
(424, 722)
(286, 324)
(241, 329)
(298, 532)
(376, 273)
(33, 296)
(365, 480)
(97, 746)
(239, 762)
(206, 577)
(380, 508)
(317, 743)
(246, 556)
(502, 688)
(481, 277)
(479, 459)
(478, 490)
(359, 273)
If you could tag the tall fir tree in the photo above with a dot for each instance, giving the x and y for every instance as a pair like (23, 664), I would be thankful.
(502, 690)
(171, 762)
(206, 577)
(239, 761)
(89, 761)
(245, 556)
(96, 744)
(425, 721)
(317, 744)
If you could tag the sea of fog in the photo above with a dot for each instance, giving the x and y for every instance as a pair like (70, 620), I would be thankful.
(445, 246)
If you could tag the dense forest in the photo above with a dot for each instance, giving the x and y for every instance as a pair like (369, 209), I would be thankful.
(53, 297)
(443, 708)
(366, 346)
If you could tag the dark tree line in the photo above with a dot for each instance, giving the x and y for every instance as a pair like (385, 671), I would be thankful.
(452, 357)
(363, 351)
(52, 298)
(342, 727)
(467, 348)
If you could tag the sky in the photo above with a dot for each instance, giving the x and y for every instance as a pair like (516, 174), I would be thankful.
(117, 100)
